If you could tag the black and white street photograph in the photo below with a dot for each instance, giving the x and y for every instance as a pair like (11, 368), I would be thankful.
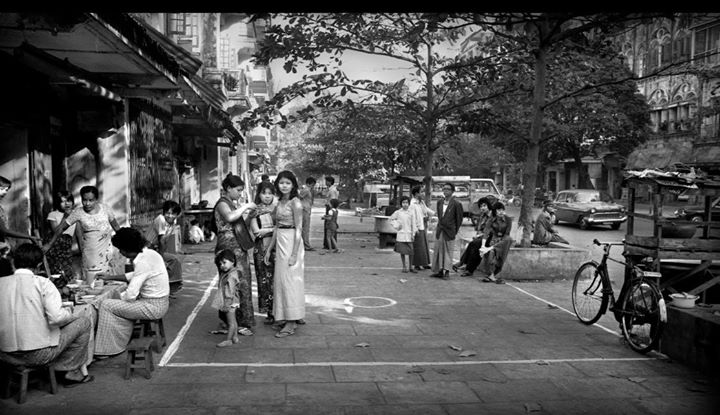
(359, 213)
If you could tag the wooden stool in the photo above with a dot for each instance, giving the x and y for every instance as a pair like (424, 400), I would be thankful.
(23, 372)
(155, 329)
(140, 356)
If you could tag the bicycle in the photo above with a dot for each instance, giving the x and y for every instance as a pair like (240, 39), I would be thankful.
(641, 310)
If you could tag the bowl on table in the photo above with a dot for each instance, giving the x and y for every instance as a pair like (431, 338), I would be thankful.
(683, 300)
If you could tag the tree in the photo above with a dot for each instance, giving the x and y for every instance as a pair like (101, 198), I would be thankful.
(440, 87)
(547, 38)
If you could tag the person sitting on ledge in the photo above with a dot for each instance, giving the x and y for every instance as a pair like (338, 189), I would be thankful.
(545, 231)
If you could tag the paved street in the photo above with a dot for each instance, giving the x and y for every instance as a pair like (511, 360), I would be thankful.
(378, 341)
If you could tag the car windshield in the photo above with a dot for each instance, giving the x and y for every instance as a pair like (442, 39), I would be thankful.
(460, 190)
(586, 197)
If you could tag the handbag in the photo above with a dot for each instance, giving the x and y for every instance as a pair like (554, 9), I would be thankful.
(240, 230)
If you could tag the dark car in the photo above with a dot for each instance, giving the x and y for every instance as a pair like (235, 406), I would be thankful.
(588, 207)
(696, 213)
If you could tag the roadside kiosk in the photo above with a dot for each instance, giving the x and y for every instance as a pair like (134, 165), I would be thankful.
(686, 252)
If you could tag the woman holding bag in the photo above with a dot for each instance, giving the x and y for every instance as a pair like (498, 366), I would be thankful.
(233, 234)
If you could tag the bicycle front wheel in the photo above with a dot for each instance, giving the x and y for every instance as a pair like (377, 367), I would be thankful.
(588, 299)
(642, 322)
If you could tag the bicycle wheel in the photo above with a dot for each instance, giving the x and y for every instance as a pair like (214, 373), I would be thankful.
(588, 299)
(642, 323)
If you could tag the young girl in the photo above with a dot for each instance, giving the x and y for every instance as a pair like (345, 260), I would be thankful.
(227, 299)
(331, 226)
(403, 221)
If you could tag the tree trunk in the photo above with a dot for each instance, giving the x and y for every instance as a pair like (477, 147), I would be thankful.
(583, 175)
(533, 151)
(429, 129)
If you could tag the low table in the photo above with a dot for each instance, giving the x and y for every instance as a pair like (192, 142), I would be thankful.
(91, 309)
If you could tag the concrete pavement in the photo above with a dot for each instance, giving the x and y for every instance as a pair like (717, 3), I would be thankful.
(378, 341)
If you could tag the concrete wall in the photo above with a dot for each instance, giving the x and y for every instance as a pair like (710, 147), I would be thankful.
(539, 263)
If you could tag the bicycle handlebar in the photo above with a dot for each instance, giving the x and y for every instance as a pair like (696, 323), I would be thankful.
(598, 243)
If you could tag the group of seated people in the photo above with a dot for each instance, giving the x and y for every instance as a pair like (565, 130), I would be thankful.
(490, 246)
(37, 330)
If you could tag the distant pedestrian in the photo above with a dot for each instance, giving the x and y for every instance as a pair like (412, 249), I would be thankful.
(450, 217)
(332, 193)
(307, 198)
(421, 213)
(405, 224)
(331, 226)
(227, 298)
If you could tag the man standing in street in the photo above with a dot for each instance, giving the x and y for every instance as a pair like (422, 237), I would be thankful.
(332, 193)
(307, 197)
(545, 231)
(450, 217)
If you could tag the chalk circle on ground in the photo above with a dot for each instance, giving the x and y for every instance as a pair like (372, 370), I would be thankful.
(369, 302)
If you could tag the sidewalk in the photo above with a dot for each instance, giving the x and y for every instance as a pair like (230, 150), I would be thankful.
(378, 341)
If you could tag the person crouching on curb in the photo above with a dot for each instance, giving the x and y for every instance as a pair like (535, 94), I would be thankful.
(34, 327)
(404, 222)
(227, 299)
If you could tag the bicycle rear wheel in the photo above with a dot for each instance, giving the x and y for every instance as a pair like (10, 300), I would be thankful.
(642, 323)
(588, 299)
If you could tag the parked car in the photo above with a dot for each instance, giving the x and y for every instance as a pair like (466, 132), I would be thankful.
(588, 207)
(696, 213)
(482, 188)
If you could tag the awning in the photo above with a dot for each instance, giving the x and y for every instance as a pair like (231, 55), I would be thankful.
(705, 154)
(208, 94)
(187, 61)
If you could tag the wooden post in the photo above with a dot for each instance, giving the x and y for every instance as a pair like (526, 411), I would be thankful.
(631, 210)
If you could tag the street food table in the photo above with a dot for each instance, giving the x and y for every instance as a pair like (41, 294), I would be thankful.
(111, 290)
(688, 261)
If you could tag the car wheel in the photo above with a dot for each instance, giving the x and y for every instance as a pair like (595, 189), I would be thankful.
(615, 226)
(517, 202)
(696, 218)
(584, 224)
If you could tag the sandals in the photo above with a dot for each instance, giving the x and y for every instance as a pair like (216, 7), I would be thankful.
(489, 278)
(244, 331)
(221, 331)
(404, 270)
(70, 383)
(284, 333)
(226, 343)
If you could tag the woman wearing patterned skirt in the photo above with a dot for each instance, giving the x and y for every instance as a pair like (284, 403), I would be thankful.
(262, 227)
(226, 216)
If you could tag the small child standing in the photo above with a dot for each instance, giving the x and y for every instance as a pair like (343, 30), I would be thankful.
(403, 221)
(227, 299)
(331, 226)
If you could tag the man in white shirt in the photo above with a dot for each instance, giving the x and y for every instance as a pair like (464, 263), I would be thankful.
(146, 297)
(34, 327)
(164, 237)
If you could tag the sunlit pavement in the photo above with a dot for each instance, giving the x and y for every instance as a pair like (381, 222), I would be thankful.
(379, 341)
